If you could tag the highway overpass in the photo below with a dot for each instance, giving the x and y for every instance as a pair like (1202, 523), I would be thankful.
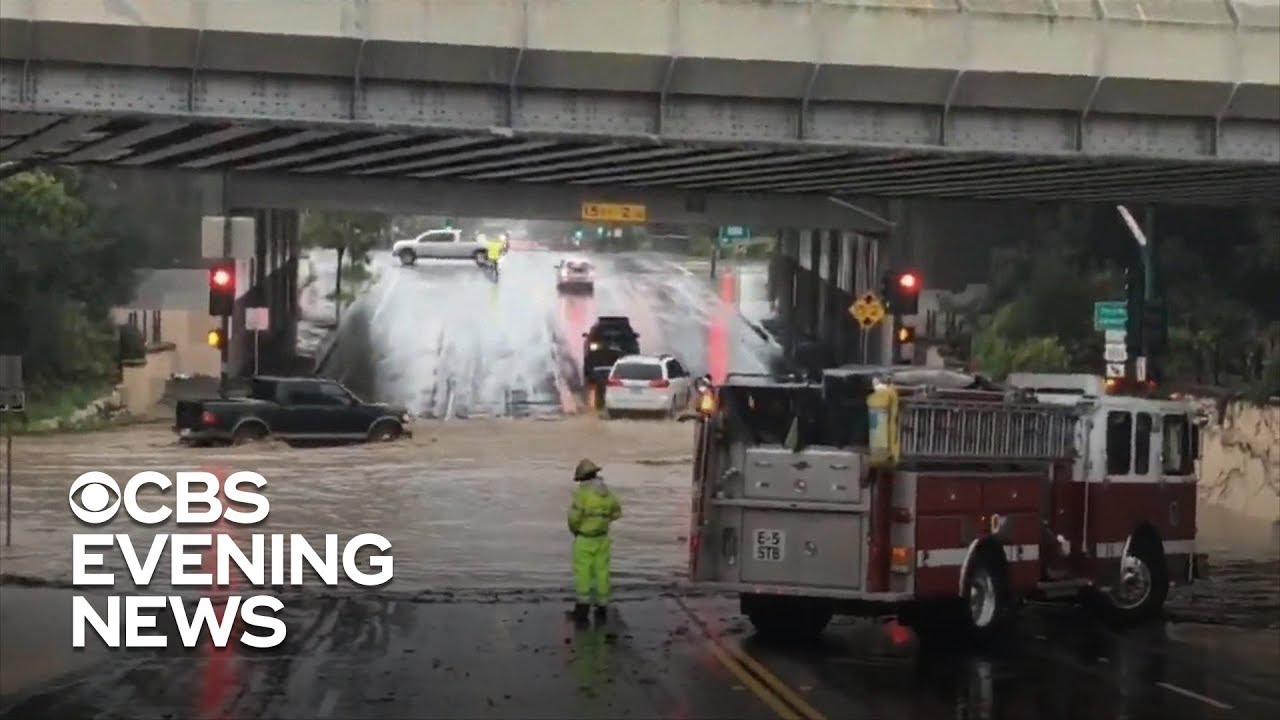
(1089, 100)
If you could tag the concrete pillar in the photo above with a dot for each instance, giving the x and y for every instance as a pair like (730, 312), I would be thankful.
(785, 280)
(837, 317)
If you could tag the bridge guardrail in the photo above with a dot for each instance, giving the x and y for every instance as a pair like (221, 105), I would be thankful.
(1247, 13)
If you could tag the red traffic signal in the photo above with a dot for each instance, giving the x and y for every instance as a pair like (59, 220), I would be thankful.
(222, 288)
(221, 278)
(902, 289)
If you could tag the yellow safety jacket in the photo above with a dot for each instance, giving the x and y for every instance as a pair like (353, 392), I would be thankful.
(593, 509)
(495, 250)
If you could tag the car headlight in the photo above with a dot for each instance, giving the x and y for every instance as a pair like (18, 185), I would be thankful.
(595, 346)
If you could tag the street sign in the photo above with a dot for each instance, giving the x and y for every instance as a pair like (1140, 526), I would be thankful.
(867, 310)
(1114, 336)
(12, 400)
(1110, 315)
(612, 212)
(1115, 370)
(257, 319)
(1115, 353)
(730, 234)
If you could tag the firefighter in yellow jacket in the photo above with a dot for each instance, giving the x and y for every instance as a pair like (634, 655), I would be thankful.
(593, 509)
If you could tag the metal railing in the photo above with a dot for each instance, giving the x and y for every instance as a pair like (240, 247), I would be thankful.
(1244, 13)
(960, 430)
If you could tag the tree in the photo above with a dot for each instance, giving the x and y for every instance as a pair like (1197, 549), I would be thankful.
(352, 235)
(63, 265)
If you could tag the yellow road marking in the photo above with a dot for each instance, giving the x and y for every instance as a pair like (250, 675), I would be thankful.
(777, 685)
(751, 683)
(765, 685)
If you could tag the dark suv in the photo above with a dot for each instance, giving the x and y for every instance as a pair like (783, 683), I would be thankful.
(609, 338)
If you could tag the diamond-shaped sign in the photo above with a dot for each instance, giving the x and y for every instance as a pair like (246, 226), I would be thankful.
(867, 310)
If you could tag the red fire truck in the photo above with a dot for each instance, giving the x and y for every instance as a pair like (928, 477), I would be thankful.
(939, 497)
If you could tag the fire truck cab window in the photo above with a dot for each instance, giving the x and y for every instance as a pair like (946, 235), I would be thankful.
(1176, 452)
(1119, 442)
(1142, 445)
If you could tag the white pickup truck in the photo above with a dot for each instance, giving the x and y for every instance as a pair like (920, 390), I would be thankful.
(447, 244)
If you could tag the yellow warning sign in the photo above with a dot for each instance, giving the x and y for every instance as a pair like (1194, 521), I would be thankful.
(867, 310)
(614, 213)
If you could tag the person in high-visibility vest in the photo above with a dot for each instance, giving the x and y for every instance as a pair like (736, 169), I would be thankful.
(494, 250)
(592, 511)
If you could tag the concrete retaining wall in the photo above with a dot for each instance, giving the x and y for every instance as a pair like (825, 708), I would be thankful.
(1240, 460)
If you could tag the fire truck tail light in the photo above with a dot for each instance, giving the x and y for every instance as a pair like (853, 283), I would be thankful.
(900, 559)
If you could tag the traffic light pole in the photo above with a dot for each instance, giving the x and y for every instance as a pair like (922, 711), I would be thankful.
(223, 352)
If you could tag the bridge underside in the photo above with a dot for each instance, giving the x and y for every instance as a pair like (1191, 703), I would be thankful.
(366, 107)
(528, 158)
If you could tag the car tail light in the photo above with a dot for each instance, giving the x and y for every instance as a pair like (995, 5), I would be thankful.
(659, 383)
(208, 418)
(615, 382)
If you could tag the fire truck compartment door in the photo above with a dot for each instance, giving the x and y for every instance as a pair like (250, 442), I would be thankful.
(788, 547)
(815, 474)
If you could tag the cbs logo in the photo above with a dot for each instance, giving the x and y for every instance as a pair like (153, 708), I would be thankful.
(197, 498)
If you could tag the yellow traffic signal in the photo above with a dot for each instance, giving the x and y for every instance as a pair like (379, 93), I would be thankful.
(906, 335)
(216, 339)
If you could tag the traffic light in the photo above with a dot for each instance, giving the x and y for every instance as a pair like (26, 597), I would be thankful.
(905, 335)
(222, 288)
(901, 290)
(216, 339)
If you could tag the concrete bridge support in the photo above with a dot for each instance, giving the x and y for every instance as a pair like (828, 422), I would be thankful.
(815, 275)
(273, 281)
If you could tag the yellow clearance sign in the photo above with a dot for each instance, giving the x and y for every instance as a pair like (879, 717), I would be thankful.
(610, 212)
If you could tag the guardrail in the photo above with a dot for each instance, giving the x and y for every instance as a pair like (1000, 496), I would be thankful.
(517, 403)
(1241, 13)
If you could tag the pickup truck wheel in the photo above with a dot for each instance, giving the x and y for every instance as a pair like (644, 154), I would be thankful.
(407, 257)
(248, 433)
(481, 257)
(385, 431)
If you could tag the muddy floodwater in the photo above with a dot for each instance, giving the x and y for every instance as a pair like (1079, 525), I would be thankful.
(474, 506)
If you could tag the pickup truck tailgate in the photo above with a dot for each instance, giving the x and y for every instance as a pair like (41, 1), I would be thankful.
(188, 414)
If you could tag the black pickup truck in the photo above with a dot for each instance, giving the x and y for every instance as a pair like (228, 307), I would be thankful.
(610, 338)
(292, 409)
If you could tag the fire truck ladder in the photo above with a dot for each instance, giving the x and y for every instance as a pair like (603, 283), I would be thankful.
(947, 429)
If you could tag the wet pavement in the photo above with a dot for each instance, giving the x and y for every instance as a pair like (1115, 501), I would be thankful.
(659, 657)
(444, 340)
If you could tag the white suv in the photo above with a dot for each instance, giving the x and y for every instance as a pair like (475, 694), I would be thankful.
(440, 245)
(648, 384)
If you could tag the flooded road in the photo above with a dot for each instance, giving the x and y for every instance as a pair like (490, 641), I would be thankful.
(457, 513)
(444, 340)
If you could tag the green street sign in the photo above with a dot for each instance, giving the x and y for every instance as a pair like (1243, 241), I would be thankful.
(1110, 315)
(730, 234)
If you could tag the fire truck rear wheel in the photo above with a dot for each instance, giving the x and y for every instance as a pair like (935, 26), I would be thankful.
(788, 619)
(989, 606)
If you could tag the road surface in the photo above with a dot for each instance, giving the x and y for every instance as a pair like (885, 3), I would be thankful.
(444, 340)
(659, 657)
